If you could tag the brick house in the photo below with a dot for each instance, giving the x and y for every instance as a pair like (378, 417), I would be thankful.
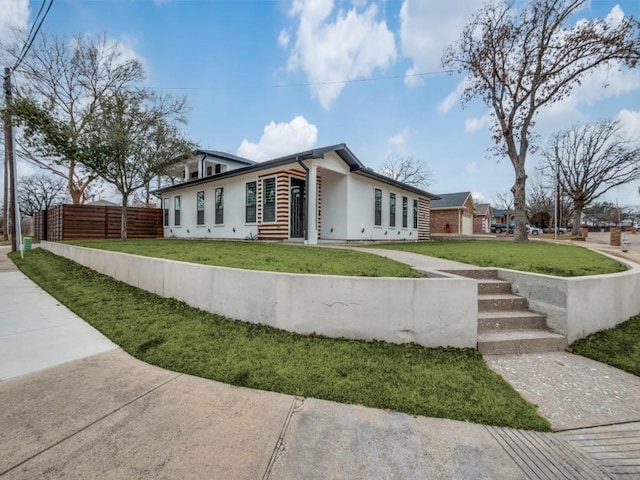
(452, 213)
(482, 216)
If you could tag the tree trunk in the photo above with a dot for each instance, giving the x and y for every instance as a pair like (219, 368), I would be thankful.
(520, 207)
(577, 216)
(123, 218)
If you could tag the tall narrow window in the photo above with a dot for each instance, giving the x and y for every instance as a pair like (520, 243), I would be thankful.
(200, 207)
(219, 206)
(269, 200)
(250, 212)
(405, 211)
(415, 213)
(377, 220)
(166, 203)
(176, 211)
(392, 209)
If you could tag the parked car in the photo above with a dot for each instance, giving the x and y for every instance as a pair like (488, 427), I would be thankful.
(501, 227)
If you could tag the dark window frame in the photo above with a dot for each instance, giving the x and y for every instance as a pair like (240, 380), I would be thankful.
(200, 207)
(176, 211)
(392, 209)
(405, 211)
(219, 206)
(415, 213)
(166, 204)
(377, 207)
(251, 204)
(269, 204)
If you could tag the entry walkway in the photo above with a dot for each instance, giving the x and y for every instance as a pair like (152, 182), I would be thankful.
(108, 415)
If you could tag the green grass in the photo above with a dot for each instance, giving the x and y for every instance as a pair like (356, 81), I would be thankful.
(537, 257)
(273, 257)
(447, 383)
(619, 346)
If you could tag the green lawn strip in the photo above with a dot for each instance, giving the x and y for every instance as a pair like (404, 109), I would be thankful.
(447, 383)
(274, 257)
(619, 346)
(536, 257)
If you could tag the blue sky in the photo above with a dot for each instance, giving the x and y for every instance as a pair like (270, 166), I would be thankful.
(268, 78)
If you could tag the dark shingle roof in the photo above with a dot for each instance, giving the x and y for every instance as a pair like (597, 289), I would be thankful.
(450, 200)
(355, 166)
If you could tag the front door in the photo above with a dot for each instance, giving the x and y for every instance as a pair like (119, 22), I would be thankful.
(296, 222)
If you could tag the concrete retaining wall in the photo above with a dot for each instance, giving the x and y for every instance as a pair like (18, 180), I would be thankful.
(429, 311)
(579, 306)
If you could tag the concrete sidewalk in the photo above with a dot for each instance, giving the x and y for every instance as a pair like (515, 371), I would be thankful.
(108, 415)
(36, 332)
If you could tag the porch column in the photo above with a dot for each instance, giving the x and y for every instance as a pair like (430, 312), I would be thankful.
(312, 206)
(186, 172)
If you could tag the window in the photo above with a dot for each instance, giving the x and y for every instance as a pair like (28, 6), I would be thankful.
(176, 211)
(269, 200)
(166, 202)
(415, 213)
(209, 171)
(405, 211)
(200, 207)
(392, 209)
(218, 168)
(219, 206)
(377, 220)
(250, 209)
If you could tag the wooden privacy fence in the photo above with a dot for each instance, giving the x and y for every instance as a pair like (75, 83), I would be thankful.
(84, 222)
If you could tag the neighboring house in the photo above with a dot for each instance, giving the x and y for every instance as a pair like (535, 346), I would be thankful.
(482, 215)
(325, 193)
(452, 213)
(501, 216)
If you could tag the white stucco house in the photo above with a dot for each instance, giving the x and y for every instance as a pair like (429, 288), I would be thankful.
(325, 193)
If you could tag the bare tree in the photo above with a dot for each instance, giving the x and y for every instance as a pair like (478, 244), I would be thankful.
(62, 82)
(409, 170)
(521, 60)
(40, 192)
(591, 160)
(132, 138)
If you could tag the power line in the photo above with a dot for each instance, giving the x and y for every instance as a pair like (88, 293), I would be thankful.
(335, 82)
(31, 38)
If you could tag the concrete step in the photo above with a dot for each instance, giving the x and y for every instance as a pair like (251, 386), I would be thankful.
(490, 287)
(476, 273)
(510, 320)
(505, 342)
(501, 301)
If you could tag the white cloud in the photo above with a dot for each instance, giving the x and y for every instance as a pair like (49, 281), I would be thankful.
(399, 139)
(448, 103)
(630, 121)
(476, 123)
(478, 197)
(331, 49)
(427, 27)
(281, 139)
(283, 38)
(615, 16)
(13, 14)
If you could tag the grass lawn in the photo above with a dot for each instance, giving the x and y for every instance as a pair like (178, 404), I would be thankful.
(537, 257)
(274, 257)
(447, 383)
(619, 346)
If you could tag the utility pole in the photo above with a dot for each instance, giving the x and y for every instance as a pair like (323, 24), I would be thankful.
(9, 160)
